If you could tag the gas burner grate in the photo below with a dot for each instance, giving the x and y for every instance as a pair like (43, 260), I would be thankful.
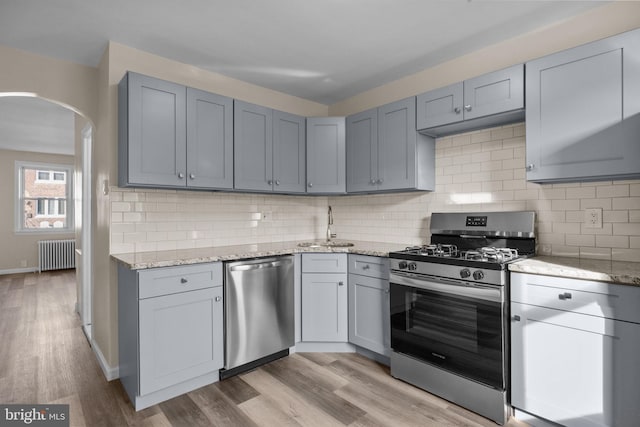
(492, 254)
(439, 250)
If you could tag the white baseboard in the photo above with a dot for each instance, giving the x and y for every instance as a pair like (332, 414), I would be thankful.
(19, 270)
(110, 373)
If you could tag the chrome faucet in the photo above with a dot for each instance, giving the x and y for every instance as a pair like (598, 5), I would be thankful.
(329, 224)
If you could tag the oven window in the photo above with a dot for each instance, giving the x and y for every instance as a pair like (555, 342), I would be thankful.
(458, 333)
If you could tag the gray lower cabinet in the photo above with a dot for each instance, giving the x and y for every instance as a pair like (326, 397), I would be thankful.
(369, 316)
(324, 297)
(269, 150)
(171, 136)
(487, 100)
(574, 348)
(326, 156)
(385, 153)
(170, 330)
(583, 112)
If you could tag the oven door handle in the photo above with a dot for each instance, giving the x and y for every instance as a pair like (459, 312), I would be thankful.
(448, 286)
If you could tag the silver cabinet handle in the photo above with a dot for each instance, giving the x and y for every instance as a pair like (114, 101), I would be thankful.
(467, 108)
(379, 181)
(564, 296)
(516, 318)
(530, 167)
(183, 280)
(310, 184)
(457, 110)
(340, 283)
(218, 299)
(192, 175)
(372, 182)
(366, 267)
(270, 182)
(277, 182)
(386, 291)
(180, 175)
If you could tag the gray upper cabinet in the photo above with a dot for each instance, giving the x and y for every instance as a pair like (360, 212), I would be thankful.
(326, 169)
(385, 153)
(583, 112)
(253, 147)
(289, 153)
(209, 140)
(152, 132)
(483, 101)
(269, 149)
(173, 136)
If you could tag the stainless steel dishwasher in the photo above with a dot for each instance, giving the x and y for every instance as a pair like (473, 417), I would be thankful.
(259, 312)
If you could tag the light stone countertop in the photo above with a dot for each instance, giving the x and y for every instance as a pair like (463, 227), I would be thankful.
(618, 272)
(143, 260)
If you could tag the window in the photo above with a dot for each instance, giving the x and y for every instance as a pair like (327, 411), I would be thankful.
(44, 197)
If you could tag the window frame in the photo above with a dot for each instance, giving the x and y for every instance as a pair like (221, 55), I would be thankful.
(19, 199)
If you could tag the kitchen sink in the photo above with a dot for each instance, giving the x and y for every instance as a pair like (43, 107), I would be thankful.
(325, 244)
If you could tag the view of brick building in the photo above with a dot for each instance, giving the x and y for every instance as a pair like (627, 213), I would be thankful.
(45, 198)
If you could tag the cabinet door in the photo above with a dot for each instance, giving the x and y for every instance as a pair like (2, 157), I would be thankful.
(181, 337)
(253, 147)
(369, 316)
(582, 114)
(494, 93)
(324, 308)
(362, 151)
(397, 145)
(154, 128)
(326, 155)
(209, 140)
(574, 369)
(440, 106)
(289, 153)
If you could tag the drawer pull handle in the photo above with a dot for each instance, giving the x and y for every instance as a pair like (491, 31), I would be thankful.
(565, 296)
(218, 299)
(366, 267)
(340, 283)
(183, 280)
(516, 318)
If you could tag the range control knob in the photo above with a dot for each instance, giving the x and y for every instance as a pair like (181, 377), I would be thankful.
(464, 273)
(478, 275)
(413, 266)
(402, 265)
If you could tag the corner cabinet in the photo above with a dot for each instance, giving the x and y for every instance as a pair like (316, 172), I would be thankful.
(171, 136)
(385, 153)
(269, 150)
(487, 100)
(583, 112)
(574, 349)
(326, 157)
(369, 313)
(170, 329)
(324, 297)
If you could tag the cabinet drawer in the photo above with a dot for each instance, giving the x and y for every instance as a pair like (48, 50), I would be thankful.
(617, 302)
(170, 280)
(369, 266)
(324, 263)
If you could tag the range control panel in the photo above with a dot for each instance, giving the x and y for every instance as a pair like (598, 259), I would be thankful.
(476, 221)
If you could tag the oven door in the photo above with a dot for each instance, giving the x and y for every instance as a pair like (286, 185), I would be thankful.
(456, 325)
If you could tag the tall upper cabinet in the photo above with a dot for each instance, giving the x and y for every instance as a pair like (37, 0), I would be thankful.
(385, 153)
(269, 149)
(583, 112)
(173, 136)
(326, 172)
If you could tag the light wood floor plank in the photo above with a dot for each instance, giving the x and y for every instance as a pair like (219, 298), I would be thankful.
(266, 414)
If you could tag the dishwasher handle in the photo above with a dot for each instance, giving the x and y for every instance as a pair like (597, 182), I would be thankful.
(247, 267)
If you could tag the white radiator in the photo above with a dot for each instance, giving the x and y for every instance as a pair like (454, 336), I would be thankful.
(56, 254)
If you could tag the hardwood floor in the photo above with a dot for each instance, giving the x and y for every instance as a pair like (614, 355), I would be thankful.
(45, 358)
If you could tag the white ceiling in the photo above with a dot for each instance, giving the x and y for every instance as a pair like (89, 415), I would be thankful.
(321, 50)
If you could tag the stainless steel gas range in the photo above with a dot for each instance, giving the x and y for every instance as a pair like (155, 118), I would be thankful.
(449, 308)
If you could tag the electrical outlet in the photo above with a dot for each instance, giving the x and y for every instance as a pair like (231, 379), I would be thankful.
(593, 218)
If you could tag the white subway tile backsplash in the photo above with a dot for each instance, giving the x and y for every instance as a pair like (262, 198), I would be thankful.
(480, 170)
